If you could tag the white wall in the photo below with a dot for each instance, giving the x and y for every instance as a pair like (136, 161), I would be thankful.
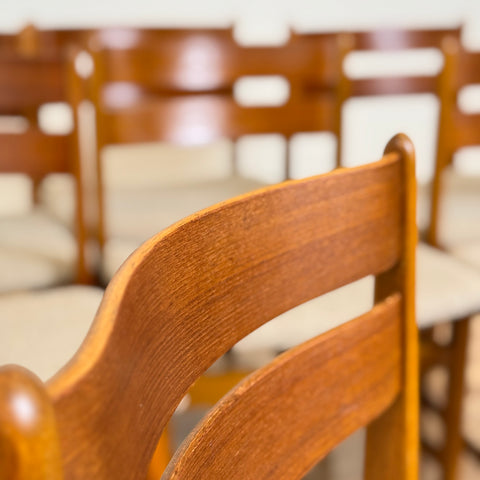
(251, 14)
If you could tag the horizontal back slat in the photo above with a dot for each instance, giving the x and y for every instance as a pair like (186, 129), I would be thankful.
(44, 43)
(208, 60)
(401, 39)
(27, 83)
(190, 293)
(287, 416)
(205, 118)
(34, 153)
(393, 85)
(467, 129)
(467, 69)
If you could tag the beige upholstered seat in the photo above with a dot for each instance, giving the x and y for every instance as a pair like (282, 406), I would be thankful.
(468, 252)
(41, 330)
(459, 222)
(447, 289)
(35, 251)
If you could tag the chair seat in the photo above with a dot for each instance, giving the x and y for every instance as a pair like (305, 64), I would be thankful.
(446, 289)
(35, 251)
(460, 210)
(135, 215)
(41, 330)
(468, 252)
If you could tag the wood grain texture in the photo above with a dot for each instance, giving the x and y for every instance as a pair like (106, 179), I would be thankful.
(400, 423)
(188, 295)
(287, 416)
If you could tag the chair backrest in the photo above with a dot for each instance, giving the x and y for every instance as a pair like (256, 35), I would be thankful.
(379, 41)
(33, 69)
(191, 292)
(177, 86)
(397, 40)
(182, 81)
(30, 78)
(457, 127)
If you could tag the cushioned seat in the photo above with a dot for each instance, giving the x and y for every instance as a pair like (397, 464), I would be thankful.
(35, 251)
(459, 222)
(41, 330)
(447, 289)
(459, 225)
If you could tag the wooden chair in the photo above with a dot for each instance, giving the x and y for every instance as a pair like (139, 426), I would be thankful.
(454, 210)
(177, 86)
(191, 292)
(395, 40)
(441, 279)
(430, 262)
(37, 251)
(26, 83)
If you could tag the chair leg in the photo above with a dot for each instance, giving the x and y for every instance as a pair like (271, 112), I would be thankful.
(453, 413)
(452, 357)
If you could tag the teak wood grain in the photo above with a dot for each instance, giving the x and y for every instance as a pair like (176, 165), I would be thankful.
(191, 292)
(283, 419)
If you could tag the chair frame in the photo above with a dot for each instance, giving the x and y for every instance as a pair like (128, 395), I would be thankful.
(31, 77)
(456, 130)
(153, 335)
(309, 109)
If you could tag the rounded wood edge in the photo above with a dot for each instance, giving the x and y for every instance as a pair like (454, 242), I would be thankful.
(402, 144)
(29, 445)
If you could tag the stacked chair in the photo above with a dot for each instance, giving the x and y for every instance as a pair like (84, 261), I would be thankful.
(190, 293)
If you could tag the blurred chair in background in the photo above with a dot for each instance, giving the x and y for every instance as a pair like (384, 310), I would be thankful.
(462, 297)
(177, 86)
(41, 326)
(456, 201)
(38, 250)
(391, 41)
(190, 293)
